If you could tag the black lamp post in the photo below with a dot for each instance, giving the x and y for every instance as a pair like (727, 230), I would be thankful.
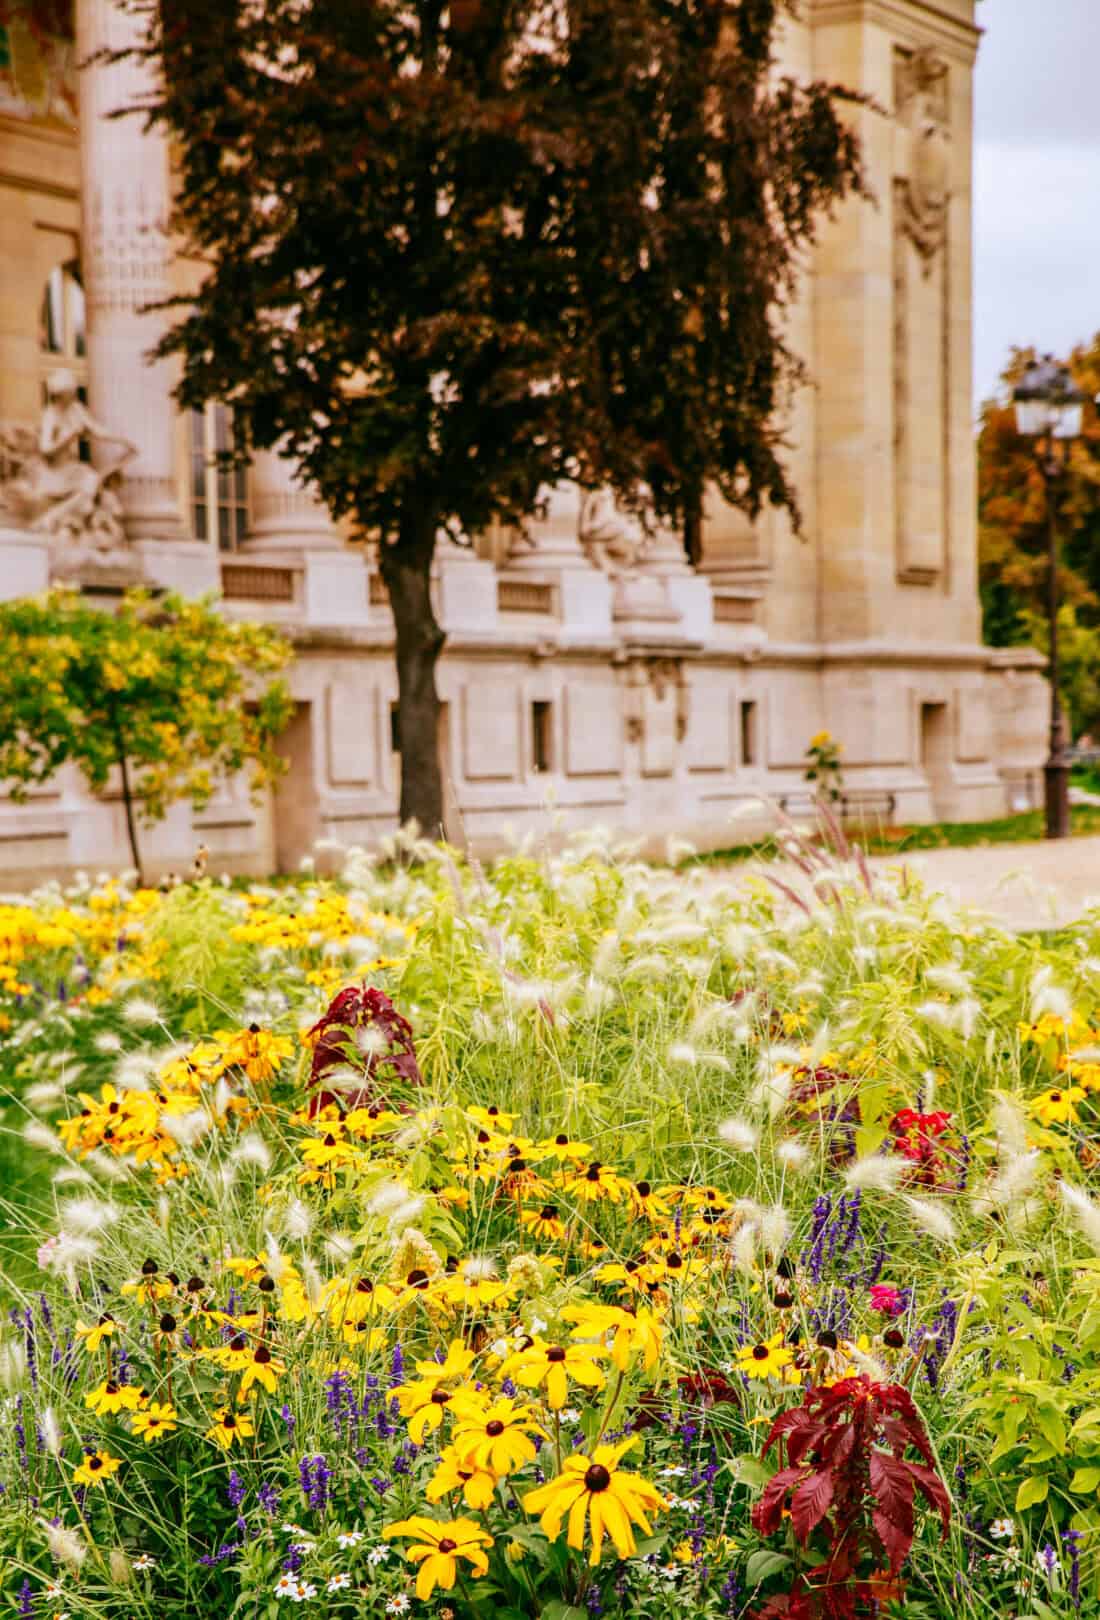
(1048, 410)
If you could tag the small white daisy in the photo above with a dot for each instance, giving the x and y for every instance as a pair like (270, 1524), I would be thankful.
(293, 1529)
(1002, 1529)
(52, 1589)
(286, 1586)
(570, 1415)
(379, 1554)
(398, 1604)
(337, 1583)
(145, 1561)
(306, 1591)
(350, 1538)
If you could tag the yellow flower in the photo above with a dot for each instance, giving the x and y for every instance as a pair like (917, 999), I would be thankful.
(765, 1360)
(93, 1337)
(262, 1368)
(497, 1439)
(438, 1546)
(597, 1490)
(158, 1418)
(229, 1426)
(476, 1484)
(110, 1398)
(544, 1222)
(629, 1331)
(596, 1182)
(552, 1365)
(258, 1052)
(96, 1469)
(1057, 1107)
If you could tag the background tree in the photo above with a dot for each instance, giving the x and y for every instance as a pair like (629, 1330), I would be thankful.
(171, 692)
(1012, 535)
(454, 253)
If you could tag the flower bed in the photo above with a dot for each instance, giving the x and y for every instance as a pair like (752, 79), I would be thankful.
(578, 1238)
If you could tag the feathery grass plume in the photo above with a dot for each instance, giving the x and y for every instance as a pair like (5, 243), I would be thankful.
(739, 1135)
(793, 1155)
(931, 1218)
(743, 1248)
(83, 1216)
(312, 1283)
(66, 1254)
(1010, 1126)
(773, 1090)
(119, 1565)
(38, 1134)
(1047, 997)
(252, 1149)
(1085, 1211)
(13, 1364)
(949, 976)
(340, 1247)
(875, 1173)
(775, 1231)
(141, 1012)
(66, 1546)
(43, 1093)
(50, 1430)
(683, 1054)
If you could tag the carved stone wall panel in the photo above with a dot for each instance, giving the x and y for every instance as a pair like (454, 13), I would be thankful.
(593, 728)
(491, 731)
(351, 730)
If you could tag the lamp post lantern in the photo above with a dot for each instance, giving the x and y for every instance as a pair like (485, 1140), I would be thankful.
(1049, 408)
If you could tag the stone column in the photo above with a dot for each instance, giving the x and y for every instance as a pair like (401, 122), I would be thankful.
(285, 512)
(124, 188)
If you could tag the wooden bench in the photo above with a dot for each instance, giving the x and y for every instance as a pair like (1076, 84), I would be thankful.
(855, 806)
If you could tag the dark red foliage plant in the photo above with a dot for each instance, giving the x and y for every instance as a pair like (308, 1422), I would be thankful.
(363, 1031)
(850, 1490)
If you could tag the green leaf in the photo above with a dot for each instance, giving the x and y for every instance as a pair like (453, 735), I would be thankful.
(1085, 1480)
(557, 1610)
(762, 1565)
(1032, 1492)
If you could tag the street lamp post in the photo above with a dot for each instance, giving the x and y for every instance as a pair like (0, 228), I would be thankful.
(1048, 410)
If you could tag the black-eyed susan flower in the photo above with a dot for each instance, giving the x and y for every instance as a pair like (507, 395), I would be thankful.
(564, 1147)
(544, 1222)
(96, 1469)
(109, 1398)
(553, 1365)
(437, 1547)
(766, 1359)
(491, 1118)
(476, 1484)
(94, 1337)
(157, 1419)
(262, 1368)
(475, 1286)
(646, 1202)
(1057, 1106)
(595, 1183)
(629, 1332)
(258, 1052)
(595, 1490)
(496, 1439)
(228, 1427)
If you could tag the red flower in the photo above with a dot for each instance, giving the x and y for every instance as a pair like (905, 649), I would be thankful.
(887, 1299)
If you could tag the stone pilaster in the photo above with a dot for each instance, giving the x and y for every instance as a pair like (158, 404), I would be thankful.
(124, 188)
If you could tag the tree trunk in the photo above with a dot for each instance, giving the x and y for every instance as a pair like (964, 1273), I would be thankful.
(406, 571)
(127, 798)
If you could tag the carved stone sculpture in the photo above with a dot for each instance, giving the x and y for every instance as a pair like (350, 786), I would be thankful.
(615, 542)
(46, 487)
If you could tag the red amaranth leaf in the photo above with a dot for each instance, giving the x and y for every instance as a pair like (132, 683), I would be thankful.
(810, 1503)
(362, 1028)
(931, 1487)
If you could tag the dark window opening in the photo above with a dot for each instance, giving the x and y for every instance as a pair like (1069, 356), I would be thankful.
(748, 734)
(542, 749)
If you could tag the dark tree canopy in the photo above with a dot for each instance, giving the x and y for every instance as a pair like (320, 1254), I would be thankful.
(455, 253)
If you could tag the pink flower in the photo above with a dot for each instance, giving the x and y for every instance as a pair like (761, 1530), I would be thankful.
(887, 1299)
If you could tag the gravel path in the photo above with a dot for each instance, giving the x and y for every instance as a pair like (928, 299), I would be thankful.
(1042, 885)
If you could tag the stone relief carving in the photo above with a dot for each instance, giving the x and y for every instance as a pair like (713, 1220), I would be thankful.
(921, 87)
(44, 485)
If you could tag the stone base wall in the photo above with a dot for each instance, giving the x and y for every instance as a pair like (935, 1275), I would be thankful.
(570, 701)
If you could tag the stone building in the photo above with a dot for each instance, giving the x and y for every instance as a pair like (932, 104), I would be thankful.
(587, 668)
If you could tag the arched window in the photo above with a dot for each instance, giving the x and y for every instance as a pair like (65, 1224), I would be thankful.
(219, 495)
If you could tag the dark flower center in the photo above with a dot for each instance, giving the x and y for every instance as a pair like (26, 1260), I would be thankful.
(238, 1342)
(111, 1388)
(417, 1278)
(195, 1285)
(494, 1428)
(593, 1171)
(440, 1397)
(644, 1189)
(229, 1421)
(330, 1140)
(828, 1340)
(783, 1300)
(548, 1212)
(446, 1545)
(1056, 1096)
(364, 1286)
(167, 1323)
(674, 1262)
(253, 1029)
(95, 1463)
(267, 1285)
(148, 1268)
(760, 1352)
(262, 1355)
(597, 1478)
(561, 1139)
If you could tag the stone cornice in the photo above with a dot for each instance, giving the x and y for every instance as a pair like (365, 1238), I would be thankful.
(944, 22)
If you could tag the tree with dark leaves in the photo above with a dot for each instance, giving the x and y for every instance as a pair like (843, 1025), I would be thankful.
(454, 253)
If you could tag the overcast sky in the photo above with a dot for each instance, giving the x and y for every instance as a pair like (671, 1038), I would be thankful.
(1036, 179)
